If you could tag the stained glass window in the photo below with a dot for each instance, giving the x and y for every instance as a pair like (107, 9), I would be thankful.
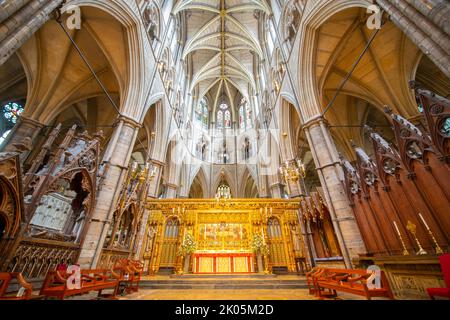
(248, 116)
(11, 111)
(201, 112)
(223, 119)
(245, 115)
(227, 119)
(241, 117)
(219, 120)
(10, 114)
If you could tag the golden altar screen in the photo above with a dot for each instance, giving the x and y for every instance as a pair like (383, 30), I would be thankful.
(223, 232)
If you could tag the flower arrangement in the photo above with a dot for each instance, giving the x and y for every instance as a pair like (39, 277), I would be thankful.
(188, 246)
(259, 245)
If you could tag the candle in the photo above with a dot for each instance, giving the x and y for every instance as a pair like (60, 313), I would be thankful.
(173, 210)
(423, 220)
(396, 228)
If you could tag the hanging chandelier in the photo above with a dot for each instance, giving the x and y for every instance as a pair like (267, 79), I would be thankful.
(292, 170)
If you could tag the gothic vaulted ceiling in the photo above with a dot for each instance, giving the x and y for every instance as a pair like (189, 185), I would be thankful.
(223, 47)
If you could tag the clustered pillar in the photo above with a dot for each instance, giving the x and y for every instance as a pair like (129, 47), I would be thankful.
(423, 25)
(20, 19)
(330, 173)
(116, 159)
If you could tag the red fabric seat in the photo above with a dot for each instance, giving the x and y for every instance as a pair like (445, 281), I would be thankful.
(444, 261)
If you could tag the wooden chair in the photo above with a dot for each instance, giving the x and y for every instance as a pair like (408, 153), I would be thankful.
(444, 261)
(5, 281)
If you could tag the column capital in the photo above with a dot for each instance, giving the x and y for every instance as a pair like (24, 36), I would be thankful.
(158, 162)
(128, 121)
(317, 120)
(32, 122)
(276, 184)
(171, 185)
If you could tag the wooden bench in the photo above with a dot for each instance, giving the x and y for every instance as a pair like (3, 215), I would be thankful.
(129, 273)
(328, 281)
(24, 293)
(55, 283)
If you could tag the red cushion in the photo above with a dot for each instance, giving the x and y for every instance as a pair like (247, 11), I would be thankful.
(441, 292)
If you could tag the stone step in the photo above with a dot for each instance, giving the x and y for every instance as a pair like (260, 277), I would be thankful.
(217, 282)
(240, 286)
(212, 281)
(224, 276)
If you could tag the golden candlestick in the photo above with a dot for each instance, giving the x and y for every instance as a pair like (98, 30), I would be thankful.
(405, 251)
(437, 247)
(412, 228)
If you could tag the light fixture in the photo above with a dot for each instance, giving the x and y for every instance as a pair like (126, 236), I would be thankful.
(292, 170)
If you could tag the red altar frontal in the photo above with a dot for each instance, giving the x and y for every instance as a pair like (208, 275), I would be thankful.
(223, 262)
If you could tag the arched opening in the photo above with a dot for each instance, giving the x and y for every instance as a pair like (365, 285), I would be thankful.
(196, 191)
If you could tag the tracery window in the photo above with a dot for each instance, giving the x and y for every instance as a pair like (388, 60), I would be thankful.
(10, 114)
(223, 119)
(11, 111)
(245, 115)
(201, 112)
(219, 121)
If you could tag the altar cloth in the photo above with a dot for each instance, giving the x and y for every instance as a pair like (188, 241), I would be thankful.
(223, 262)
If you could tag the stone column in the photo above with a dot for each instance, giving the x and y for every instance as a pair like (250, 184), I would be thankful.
(276, 189)
(438, 11)
(419, 32)
(116, 159)
(295, 188)
(38, 15)
(20, 17)
(24, 128)
(171, 191)
(9, 7)
(330, 173)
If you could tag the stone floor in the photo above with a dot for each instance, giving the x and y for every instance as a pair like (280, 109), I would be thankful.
(251, 294)
(224, 294)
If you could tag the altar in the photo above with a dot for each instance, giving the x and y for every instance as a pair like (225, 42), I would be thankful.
(223, 262)
(221, 234)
